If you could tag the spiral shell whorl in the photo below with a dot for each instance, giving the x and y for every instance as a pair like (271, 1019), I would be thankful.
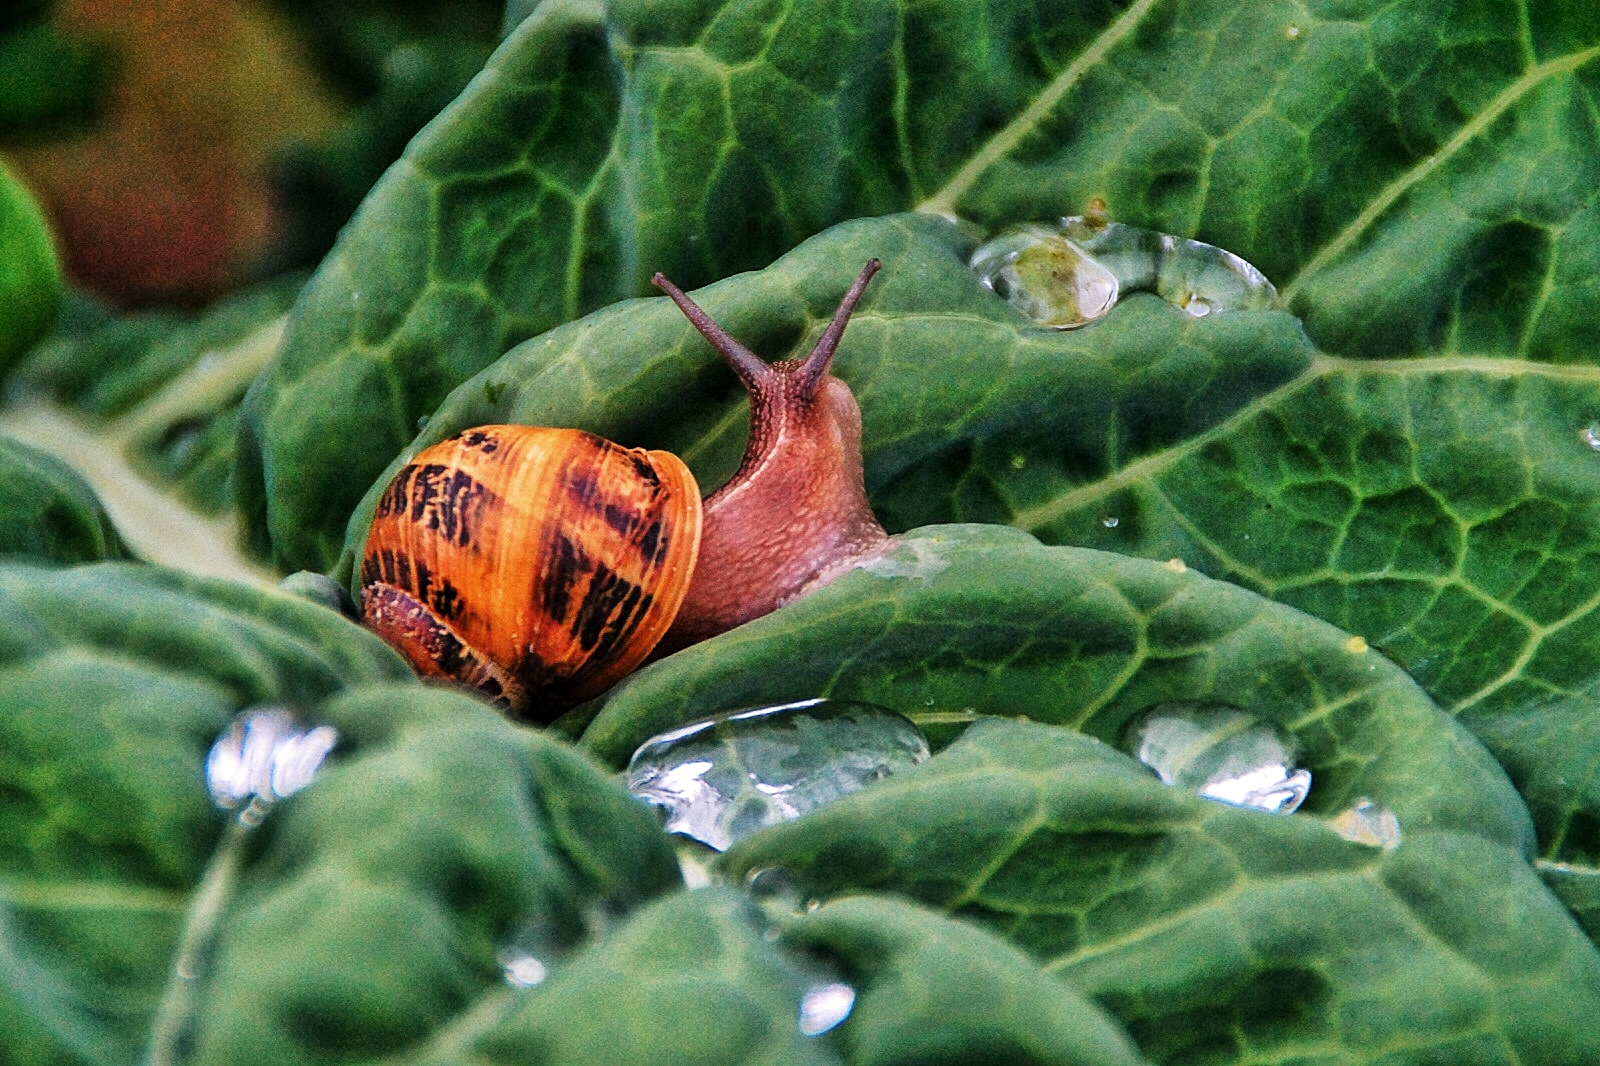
(539, 565)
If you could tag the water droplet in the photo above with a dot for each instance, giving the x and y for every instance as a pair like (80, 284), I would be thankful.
(522, 970)
(1110, 521)
(1202, 278)
(1590, 435)
(264, 756)
(1070, 274)
(776, 885)
(824, 1006)
(1223, 754)
(722, 779)
(1047, 277)
(1291, 32)
(1367, 823)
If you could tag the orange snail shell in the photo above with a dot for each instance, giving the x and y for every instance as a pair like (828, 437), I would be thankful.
(557, 555)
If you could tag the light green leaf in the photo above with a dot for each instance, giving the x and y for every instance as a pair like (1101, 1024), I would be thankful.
(30, 276)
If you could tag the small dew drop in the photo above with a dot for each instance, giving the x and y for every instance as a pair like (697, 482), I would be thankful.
(1177, 566)
(1291, 32)
(1197, 307)
(824, 1006)
(1590, 435)
(1110, 521)
(1367, 823)
(521, 969)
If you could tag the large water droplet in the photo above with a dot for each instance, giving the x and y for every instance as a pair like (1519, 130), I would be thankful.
(1222, 753)
(824, 1006)
(1072, 273)
(1047, 277)
(1590, 435)
(722, 779)
(263, 757)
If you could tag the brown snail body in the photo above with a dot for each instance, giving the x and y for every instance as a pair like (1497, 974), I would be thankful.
(541, 566)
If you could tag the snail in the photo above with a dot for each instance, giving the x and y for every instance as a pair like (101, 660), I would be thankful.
(541, 566)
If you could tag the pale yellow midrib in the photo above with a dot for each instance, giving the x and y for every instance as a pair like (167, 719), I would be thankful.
(1003, 143)
(1470, 131)
(1321, 365)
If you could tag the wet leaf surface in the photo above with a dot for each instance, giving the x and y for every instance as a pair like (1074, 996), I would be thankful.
(1213, 933)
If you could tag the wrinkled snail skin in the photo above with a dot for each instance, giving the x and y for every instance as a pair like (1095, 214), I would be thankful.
(541, 566)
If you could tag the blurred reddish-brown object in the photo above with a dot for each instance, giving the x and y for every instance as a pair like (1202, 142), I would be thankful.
(166, 197)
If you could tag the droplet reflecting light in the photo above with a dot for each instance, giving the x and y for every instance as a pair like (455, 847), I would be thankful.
(263, 757)
(824, 1006)
(1223, 754)
(1072, 273)
(721, 779)
(521, 969)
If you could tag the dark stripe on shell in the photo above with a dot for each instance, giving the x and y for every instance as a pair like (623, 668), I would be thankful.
(396, 499)
(609, 611)
(447, 601)
(653, 545)
(646, 471)
(568, 563)
(448, 501)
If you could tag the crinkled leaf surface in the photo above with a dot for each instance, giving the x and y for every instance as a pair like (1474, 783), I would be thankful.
(705, 977)
(363, 915)
(929, 989)
(114, 680)
(984, 619)
(1440, 509)
(373, 918)
(1215, 933)
(48, 512)
(1416, 177)
(941, 367)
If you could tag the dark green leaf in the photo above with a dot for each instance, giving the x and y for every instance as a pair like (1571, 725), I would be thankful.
(931, 990)
(1215, 933)
(1373, 163)
(365, 913)
(690, 978)
(943, 370)
(373, 919)
(114, 680)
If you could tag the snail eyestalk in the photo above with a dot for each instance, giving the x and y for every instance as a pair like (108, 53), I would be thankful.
(795, 513)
